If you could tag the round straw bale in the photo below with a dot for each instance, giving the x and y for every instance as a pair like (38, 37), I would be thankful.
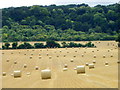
(32, 54)
(74, 56)
(87, 64)
(106, 63)
(97, 50)
(108, 50)
(92, 51)
(71, 60)
(64, 55)
(50, 57)
(36, 67)
(46, 74)
(57, 56)
(103, 56)
(39, 54)
(4, 73)
(7, 60)
(94, 61)
(65, 69)
(15, 62)
(84, 51)
(30, 57)
(80, 69)
(65, 65)
(75, 68)
(28, 73)
(82, 55)
(47, 54)
(75, 51)
(94, 56)
(2, 53)
(91, 66)
(12, 74)
(40, 57)
(17, 73)
(111, 55)
(25, 65)
(118, 61)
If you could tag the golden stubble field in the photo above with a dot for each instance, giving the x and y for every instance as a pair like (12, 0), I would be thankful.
(101, 76)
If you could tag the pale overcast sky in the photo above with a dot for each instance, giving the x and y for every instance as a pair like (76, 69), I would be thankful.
(18, 3)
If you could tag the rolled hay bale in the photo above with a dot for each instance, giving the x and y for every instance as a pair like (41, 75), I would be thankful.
(57, 56)
(74, 56)
(65, 65)
(15, 62)
(25, 65)
(17, 73)
(71, 60)
(12, 74)
(104, 56)
(97, 50)
(36, 67)
(50, 57)
(60, 51)
(2, 53)
(24, 54)
(11, 53)
(65, 69)
(80, 69)
(7, 60)
(82, 55)
(39, 54)
(40, 57)
(4, 73)
(46, 74)
(111, 55)
(31, 53)
(106, 63)
(94, 61)
(84, 51)
(30, 57)
(28, 73)
(64, 55)
(67, 52)
(91, 66)
(92, 51)
(94, 56)
(75, 51)
(75, 68)
(86, 64)
(118, 61)
(33, 50)
(47, 54)
(108, 50)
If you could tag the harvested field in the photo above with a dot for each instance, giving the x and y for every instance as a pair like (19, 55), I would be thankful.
(31, 61)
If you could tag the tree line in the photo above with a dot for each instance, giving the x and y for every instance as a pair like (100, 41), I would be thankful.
(49, 44)
(60, 23)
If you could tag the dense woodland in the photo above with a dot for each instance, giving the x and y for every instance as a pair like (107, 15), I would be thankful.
(61, 23)
(49, 44)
